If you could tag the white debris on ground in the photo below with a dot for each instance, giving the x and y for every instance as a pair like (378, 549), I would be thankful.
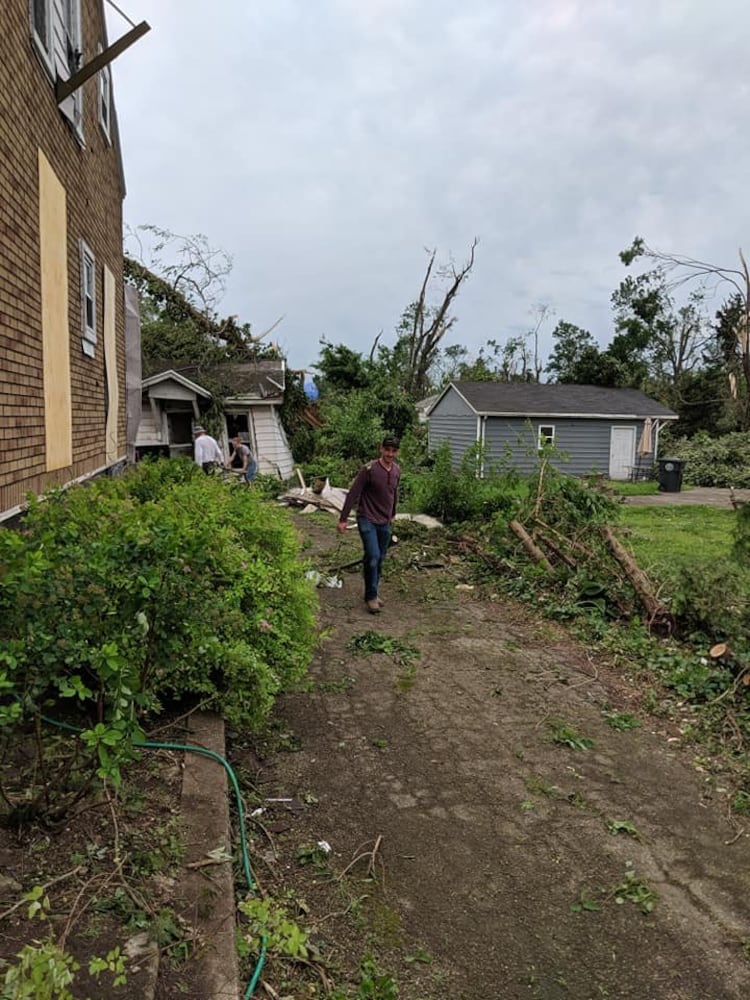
(423, 519)
(323, 496)
(326, 497)
(335, 582)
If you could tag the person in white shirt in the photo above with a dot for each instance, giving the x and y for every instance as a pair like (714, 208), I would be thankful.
(207, 451)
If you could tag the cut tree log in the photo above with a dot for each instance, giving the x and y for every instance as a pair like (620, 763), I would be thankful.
(572, 542)
(556, 550)
(528, 543)
(660, 619)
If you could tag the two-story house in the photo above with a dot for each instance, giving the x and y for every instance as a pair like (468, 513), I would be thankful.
(62, 302)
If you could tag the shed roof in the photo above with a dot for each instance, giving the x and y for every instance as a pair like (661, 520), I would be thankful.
(261, 379)
(530, 399)
(172, 376)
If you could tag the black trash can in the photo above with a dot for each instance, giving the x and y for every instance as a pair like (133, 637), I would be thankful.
(670, 475)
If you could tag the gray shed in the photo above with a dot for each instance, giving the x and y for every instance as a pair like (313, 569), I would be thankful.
(611, 431)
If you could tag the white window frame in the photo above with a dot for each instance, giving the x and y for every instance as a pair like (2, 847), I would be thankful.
(105, 100)
(88, 296)
(66, 16)
(545, 436)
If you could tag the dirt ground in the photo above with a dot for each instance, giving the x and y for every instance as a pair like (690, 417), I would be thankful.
(499, 871)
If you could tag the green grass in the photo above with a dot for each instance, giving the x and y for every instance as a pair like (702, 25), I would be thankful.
(664, 538)
(643, 488)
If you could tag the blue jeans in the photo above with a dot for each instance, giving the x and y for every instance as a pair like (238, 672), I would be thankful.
(375, 541)
(251, 470)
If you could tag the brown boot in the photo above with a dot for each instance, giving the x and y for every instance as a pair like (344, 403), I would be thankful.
(373, 606)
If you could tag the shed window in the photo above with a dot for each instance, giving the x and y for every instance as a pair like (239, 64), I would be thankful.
(88, 300)
(546, 436)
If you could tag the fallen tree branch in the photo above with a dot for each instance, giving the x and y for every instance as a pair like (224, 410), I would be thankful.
(23, 901)
(572, 542)
(556, 550)
(528, 543)
(372, 855)
(660, 619)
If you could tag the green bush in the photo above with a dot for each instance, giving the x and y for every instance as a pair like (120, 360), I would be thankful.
(712, 601)
(722, 461)
(164, 583)
(571, 505)
(458, 495)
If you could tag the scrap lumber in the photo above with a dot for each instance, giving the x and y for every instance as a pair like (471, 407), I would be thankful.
(660, 619)
(528, 543)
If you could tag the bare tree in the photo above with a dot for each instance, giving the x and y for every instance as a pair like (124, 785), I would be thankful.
(185, 279)
(189, 264)
(431, 323)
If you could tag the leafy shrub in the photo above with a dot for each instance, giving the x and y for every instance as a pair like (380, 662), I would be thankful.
(458, 495)
(568, 503)
(164, 583)
(712, 600)
(353, 428)
(741, 547)
(722, 461)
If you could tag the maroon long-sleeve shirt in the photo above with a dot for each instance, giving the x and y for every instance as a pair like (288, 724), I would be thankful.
(374, 493)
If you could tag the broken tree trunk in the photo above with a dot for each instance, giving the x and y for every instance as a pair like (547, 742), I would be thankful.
(557, 551)
(572, 542)
(528, 543)
(660, 619)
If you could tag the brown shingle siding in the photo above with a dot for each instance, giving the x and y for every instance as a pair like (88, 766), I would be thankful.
(91, 176)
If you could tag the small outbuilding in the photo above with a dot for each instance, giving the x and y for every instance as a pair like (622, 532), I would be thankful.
(614, 432)
(174, 400)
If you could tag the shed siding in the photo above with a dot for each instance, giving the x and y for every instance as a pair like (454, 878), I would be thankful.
(149, 433)
(271, 446)
(459, 432)
(452, 404)
(453, 421)
(581, 446)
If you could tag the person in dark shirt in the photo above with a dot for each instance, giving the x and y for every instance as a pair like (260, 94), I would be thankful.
(374, 493)
(241, 459)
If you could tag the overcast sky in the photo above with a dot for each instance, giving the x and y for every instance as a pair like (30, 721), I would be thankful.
(325, 144)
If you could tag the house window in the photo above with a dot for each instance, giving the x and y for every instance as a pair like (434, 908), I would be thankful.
(41, 27)
(56, 32)
(88, 300)
(546, 436)
(105, 101)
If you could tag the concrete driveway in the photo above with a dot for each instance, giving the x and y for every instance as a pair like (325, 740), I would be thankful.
(709, 496)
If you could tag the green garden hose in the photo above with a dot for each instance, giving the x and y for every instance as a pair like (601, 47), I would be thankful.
(191, 748)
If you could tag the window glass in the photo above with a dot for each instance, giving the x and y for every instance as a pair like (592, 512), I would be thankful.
(88, 299)
(546, 435)
(105, 92)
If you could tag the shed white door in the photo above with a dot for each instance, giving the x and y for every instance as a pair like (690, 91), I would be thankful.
(621, 452)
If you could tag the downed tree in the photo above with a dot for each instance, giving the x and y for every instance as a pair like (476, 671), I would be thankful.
(529, 544)
(556, 550)
(660, 619)
(572, 542)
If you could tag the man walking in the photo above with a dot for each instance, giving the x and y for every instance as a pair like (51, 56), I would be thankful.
(207, 452)
(374, 493)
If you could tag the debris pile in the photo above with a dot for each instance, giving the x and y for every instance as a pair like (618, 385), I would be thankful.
(320, 496)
